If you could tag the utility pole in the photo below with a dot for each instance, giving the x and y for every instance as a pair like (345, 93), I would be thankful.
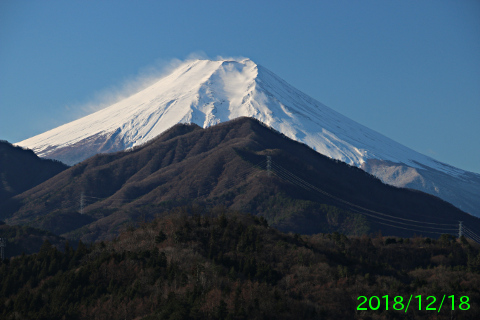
(460, 229)
(269, 165)
(82, 202)
(3, 244)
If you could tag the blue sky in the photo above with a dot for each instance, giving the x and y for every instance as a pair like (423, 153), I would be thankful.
(407, 69)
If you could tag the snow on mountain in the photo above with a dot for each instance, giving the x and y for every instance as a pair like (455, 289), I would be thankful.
(208, 92)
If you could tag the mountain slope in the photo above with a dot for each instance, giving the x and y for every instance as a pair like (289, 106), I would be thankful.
(24, 239)
(208, 92)
(226, 165)
(21, 170)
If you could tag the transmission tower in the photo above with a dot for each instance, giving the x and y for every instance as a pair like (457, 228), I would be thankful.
(269, 165)
(3, 244)
(460, 229)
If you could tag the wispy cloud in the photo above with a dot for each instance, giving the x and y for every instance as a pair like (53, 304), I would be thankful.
(129, 86)
(431, 152)
(145, 77)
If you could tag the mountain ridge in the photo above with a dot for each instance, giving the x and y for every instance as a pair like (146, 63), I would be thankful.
(208, 92)
(225, 165)
(21, 169)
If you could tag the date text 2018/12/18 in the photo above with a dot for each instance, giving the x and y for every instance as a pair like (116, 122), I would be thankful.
(429, 304)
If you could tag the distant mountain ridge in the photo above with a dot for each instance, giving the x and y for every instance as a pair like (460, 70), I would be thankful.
(21, 170)
(208, 92)
(225, 165)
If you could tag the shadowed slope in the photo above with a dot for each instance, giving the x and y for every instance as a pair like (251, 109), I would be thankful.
(21, 169)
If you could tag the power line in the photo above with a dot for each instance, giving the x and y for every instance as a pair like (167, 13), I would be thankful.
(398, 222)
(472, 235)
(287, 175)
(294, 179)
(407, 224)
(412, 229)
(110, 198)
(303, 182)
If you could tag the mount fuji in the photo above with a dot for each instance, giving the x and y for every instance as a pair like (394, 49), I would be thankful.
(207, 92)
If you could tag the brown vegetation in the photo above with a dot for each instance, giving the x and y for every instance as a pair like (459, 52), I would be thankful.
(221, 165)
(224, 265)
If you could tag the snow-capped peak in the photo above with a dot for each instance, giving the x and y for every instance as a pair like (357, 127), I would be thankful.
(207, 92)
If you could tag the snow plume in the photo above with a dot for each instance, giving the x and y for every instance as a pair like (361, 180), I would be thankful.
(200, 55)
(231, 58)
(133, 84)
(129, 86)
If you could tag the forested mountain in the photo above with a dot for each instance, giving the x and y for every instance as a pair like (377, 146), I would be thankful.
(21, 169)
(214, 264)
(25, 239)
(227, 165)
